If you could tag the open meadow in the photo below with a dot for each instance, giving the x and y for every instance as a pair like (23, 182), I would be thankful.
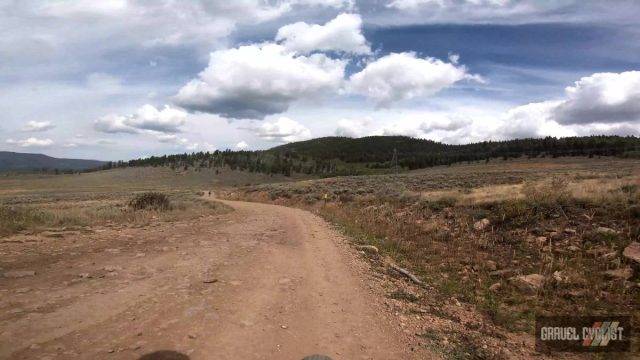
(487, 245)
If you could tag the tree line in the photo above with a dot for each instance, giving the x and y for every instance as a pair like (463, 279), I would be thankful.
(332, 156)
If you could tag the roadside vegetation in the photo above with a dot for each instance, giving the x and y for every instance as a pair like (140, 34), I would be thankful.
(34, 214)
(35, 203)
(513, 239)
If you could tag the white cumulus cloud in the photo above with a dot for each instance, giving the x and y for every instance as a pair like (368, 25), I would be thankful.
(603, 103)
(343, 34)
(38, 126)
(147, 117)
(168, 119)
(253, 81)
(242, 145)
(403, 76)
(31, 142)
(282, 130)
(601, 98)
(353, 128)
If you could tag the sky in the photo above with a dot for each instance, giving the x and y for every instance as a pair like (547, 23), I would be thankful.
(123, 79)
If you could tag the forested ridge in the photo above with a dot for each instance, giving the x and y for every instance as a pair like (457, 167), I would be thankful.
(331, 156)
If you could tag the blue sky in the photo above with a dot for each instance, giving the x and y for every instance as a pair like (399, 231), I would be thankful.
(120, 79)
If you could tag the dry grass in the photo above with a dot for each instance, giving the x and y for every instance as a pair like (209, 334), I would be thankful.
(44, 213)
(543, 220)
(34, 203)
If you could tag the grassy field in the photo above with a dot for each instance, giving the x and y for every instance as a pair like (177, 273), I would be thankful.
(513, 238)
(476, 233)
(36, 202)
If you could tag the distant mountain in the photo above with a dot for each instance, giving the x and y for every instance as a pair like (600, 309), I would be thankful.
(12, 161)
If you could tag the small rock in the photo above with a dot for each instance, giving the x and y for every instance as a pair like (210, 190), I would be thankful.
(573, 248)
(495, 287)
(542, 240)
(632, 252)
(491, 265)
(192, 336)
(610, 256)
(559, 277)
(210, 280)
(85, 275)
(481, 224)
(19, 273)
(502, 273)
(554, 235)
(605, 231)
(368, 248)
(570, 231)
(110, 268)
(620, 274)
(528, 283)
(284, 326)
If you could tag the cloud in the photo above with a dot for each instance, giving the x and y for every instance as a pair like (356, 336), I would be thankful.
(352, 128)
(31, 142)
(601, 98)
(242, 145)
(417, 124)
(532, 120)
(147, 117)
(113, 124)
(38, 126)
(603, 103)
(171, 139)
(342, 34)
(253, 81)
(167, 120)
(449, 123)
(282, 130)
(403, 76)
(435, 4)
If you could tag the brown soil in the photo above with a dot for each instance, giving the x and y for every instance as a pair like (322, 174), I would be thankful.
(262, 282)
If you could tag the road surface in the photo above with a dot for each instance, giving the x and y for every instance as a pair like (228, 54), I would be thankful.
(261, 282)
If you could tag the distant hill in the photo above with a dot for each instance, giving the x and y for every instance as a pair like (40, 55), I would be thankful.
(419, 153)
(331, 156)
(12, 161)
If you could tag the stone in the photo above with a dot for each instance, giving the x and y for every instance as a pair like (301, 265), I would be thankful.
(632, 252)
(481, 224)
(528, 283)
(495, 287)
(491, 265)
(605, 231)
(542, 240)
(502, 273)
(19, 273)
(620, 274)
(368, 248)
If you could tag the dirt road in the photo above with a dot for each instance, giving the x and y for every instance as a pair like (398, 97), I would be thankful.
(262, 282)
